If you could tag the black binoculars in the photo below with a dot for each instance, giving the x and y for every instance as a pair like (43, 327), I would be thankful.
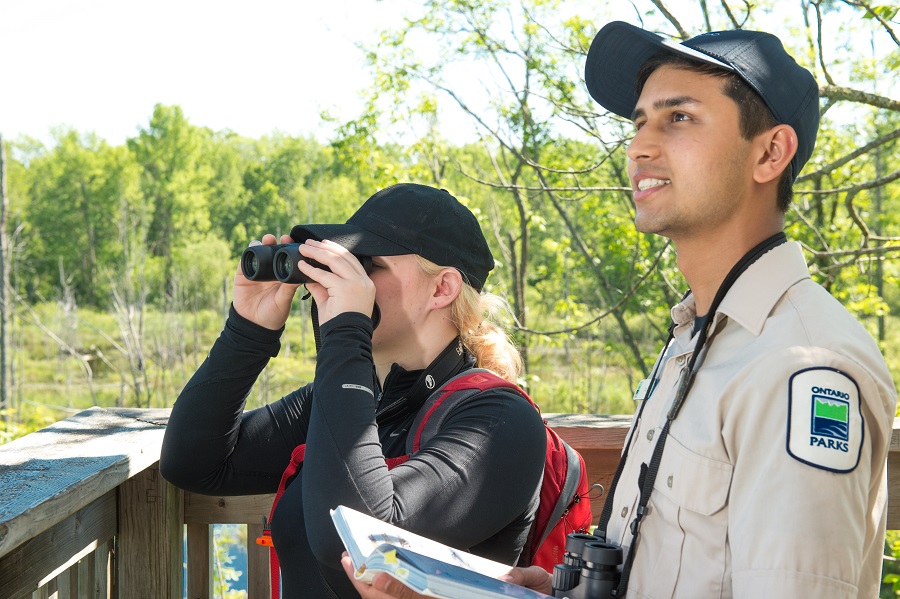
(590, 568)
(279, 262)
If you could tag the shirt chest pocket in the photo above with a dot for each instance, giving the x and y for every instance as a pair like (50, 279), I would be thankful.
(692, 481)
(685, 537)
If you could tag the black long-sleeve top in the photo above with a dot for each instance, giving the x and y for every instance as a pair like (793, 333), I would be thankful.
(474, 485)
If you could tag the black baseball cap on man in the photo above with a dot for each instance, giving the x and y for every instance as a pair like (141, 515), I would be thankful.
(619, 50)
(408, 218)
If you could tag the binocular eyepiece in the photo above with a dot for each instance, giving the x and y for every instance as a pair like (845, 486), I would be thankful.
(279, 262)
(590, 568)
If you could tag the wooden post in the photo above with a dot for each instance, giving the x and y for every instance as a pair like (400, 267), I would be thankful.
(149, 556)
(5, 303)
(199, 560)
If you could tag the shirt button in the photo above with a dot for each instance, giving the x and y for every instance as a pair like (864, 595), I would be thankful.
(669, 480)
(624, 511)
(679, 360)
(650, 435)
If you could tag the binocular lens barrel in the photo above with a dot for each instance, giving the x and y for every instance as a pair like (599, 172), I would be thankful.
(279, 263)
(285, 264)
(274, 263)
(590, 568)
(256, 262)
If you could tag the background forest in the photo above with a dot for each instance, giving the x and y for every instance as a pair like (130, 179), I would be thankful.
(117, 260)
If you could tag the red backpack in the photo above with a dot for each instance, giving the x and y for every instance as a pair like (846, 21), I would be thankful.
(564, 506)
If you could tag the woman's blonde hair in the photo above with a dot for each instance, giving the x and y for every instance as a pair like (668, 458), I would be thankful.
(474, 314)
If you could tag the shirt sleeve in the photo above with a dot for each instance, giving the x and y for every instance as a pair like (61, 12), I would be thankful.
(211, 445)
(801, 524)
(475, 476)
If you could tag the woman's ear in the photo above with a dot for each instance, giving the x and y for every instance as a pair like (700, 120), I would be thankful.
(777, 147)
(447, 286)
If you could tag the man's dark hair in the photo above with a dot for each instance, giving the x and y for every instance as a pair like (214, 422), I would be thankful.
(755, 116)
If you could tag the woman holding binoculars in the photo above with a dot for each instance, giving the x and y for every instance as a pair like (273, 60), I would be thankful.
(474, 485)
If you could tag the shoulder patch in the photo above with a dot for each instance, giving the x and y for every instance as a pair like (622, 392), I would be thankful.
(825, 426)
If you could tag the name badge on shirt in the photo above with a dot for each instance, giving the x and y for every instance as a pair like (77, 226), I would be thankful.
(644, 389)
(825, 423)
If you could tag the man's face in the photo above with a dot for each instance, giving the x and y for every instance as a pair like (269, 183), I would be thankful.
(690, 168)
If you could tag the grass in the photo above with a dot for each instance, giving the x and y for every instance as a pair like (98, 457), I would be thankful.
(67, 360)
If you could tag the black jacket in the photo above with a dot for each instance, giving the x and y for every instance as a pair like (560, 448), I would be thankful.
(474, 486)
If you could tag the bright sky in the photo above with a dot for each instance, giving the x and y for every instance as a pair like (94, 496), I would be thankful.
(252, 67)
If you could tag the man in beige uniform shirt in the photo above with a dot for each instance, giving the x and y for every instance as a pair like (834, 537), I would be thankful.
(767, 470)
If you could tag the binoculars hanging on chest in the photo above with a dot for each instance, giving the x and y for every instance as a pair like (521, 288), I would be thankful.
(591, 568)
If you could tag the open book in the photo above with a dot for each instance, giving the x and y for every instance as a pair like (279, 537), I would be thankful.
(426, 566)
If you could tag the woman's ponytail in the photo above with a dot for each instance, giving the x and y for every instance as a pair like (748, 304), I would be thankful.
(475, 315)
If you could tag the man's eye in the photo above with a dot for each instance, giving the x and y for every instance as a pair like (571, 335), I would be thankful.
(680, 116)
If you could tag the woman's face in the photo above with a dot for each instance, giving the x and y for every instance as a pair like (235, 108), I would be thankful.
(403, 293)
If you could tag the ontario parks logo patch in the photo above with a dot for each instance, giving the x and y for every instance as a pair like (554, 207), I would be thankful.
(825, 425)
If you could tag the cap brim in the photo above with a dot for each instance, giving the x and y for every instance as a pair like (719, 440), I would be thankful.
(357, 240)
(618, 52)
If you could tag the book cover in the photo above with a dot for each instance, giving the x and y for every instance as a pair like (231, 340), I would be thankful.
(422, 564)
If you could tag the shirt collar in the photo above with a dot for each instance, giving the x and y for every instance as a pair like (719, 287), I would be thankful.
(750, 301)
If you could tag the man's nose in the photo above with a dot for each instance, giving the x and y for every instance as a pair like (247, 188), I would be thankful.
(644, 145)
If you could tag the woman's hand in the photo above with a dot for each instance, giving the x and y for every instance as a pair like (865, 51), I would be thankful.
(266, 303)
(383, 586)
(532, 577)
(347, 288)
(387, 587)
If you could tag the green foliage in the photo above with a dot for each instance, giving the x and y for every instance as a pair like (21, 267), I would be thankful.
(890, 588)
(150, 232)
(885, 11)
(83, 193)
(226, 539)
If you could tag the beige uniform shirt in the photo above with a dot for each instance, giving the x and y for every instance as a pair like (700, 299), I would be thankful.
(773, 478)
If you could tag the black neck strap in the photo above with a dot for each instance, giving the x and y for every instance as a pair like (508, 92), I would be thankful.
(647, 477)
(450, 361)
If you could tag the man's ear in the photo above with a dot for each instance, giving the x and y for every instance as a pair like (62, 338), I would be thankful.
(447, 286)
(777, 147)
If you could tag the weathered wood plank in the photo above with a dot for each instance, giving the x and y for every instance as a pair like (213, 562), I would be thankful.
(39, 560)
(599, 439)
(199, 560)
(51, 473)
(258, 573)
(203, 509)
(150, 537)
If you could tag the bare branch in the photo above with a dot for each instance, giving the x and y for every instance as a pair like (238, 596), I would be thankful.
(730, 15)
(851, 156)
(705, 10)
(628, 294)
(837, 93)
(65, 347)
(880, 182)
(867, 251)
(682, 32)
(854, 216)
(511, 187)
(876, 16)
(820, 51)
(812, 228)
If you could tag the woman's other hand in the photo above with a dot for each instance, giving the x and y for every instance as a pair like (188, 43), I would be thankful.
(266, 303)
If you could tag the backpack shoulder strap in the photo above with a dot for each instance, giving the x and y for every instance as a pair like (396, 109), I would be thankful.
(573, 475)
(453, 393)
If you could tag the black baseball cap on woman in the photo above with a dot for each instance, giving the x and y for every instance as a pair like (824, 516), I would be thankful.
(408, 218)
(619, 50)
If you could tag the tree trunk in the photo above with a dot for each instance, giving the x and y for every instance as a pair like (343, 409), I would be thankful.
(4, 287)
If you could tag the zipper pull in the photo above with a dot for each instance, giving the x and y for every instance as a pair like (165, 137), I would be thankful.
(266, 539)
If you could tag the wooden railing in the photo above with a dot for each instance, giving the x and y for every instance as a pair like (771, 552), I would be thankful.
(84, 512)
